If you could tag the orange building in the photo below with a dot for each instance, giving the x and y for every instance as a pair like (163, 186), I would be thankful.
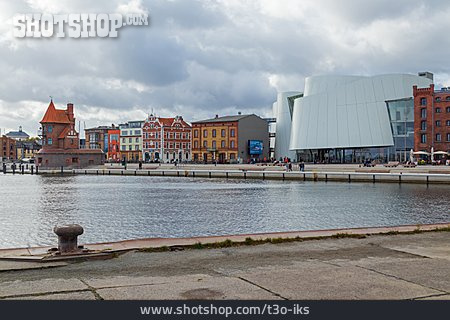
(114, 145)
(230, 139)
(8, 148)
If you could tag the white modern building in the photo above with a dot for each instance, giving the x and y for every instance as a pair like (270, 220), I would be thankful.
(335, 114)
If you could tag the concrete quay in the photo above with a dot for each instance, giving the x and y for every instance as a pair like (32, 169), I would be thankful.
(412, 265)
(342, 173)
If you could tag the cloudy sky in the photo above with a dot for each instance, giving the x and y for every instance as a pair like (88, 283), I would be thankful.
(201, 58)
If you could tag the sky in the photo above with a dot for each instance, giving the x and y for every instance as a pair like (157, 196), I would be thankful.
(201, 58)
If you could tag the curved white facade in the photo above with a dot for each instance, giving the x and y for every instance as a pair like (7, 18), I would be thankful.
(283, 115)
(342, 112)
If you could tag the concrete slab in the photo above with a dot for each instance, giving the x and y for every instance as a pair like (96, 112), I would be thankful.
(192, 287)
(431, 273)
(80, 295)
(441, 252)
(126, 281)
(316, 280)
(18, 287)
(443, 297)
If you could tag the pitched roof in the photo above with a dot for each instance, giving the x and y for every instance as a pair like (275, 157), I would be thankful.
(53, 115)
(17, 134)
(224, 119)
(63, 133)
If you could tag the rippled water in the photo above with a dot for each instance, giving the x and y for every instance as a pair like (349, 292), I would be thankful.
(115, 207)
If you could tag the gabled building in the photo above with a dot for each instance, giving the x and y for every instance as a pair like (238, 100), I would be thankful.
(166, 139)
(60, 141)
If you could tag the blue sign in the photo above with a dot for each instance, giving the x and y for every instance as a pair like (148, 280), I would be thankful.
(255, 146)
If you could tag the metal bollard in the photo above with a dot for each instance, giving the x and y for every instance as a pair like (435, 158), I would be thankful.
(68, 238)
(32, 169)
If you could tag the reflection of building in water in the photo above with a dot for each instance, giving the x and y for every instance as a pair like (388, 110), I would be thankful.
(60, 141)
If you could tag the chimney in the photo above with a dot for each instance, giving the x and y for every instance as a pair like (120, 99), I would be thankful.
(70, 111)
(239, 113)
(217, 116)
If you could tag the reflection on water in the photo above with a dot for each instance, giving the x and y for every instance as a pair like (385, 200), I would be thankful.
(114, 207)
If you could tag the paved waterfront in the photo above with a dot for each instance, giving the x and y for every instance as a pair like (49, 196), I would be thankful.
(415, 266)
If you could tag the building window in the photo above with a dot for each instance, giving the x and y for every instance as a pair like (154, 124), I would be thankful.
(214, 144)
(137, 139)
(130, 140)
(196, 144)
(232, 132)
(205, 133)
(223, 133)
(130, 148)
(423, 113)
(232, 156)
(232, 144)
(222, 143)
(423, 125)
(124, 133)
(438, 137)
(448, 137)
(438, 123)
(136, 148)
(448, 123)
(205, 144)
(423, 138)
(124, 148)
(123, 140)
(214, 133)
(49, 129)
(137, 132)
(447, 98)
(438, 110)
(423, 101)
(447, 109)
(49, 141)
(438, 99)
(195, 133)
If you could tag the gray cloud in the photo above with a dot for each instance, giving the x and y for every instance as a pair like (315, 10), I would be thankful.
(199, 58)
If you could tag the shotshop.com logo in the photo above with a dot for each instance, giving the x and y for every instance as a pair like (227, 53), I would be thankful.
(80, 25)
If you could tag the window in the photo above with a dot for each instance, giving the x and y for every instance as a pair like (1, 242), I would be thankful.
(196, 144)
(214, 144)
(137, 132)
(136, 148)
(49, 129)
(438, 99)
(438, 137)
(423, 113)
(232, 132)
(124, 148)
(123, 140)
(214, 133)
(130, 148)
(137, 140)
(438, 123)
(124, 133)
(232, 144)
(447, 109)
(130, 140)
(448, 123)
(205, 144)
(423, 101)
(205, 133)
(423, 125)
(423, 138)
(438, 110)
(195, 133)
(49, 141)
(397, 115)
(447, 98)
(232, 156)
(222, 133)
(448, 137)
(222, 143)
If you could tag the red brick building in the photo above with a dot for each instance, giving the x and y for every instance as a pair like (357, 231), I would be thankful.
(60, 141)
(431, 119)
(166, 139)
(7, 148)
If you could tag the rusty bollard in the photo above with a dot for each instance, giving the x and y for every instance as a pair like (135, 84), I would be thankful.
(68, 238)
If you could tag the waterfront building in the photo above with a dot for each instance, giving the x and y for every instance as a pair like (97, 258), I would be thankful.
(27, 149)
(131, 141)
(348, 118)
(432, 120)
(18, 135)
(8, 148)
(230, 139)
(97, 138)
(60, 141)
(114, 145)
(166, 139)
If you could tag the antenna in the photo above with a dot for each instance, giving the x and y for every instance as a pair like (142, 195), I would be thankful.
(51, 98)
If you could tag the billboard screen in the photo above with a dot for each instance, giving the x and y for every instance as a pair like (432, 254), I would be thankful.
(255, 146)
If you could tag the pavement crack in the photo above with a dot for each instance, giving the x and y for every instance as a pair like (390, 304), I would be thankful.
(399, 278)
(261, 287)
(40, 294)
(93, 290)
(430, 296)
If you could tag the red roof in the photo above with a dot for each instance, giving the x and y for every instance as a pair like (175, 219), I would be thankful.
(63, 133)
(52, 115)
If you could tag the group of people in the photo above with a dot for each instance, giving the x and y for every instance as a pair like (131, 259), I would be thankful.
(288, 164)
